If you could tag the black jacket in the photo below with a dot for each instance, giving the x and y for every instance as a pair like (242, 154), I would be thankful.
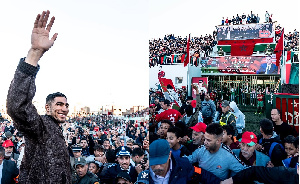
(9, 172)
(46, 159)
(112, 171)
(267, 175)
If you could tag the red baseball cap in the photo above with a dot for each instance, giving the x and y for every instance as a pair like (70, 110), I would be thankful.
(199, 127)
(249, 138)
(7, 143)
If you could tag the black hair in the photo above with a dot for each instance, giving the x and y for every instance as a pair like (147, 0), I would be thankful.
(93, 162)
(98, 147)
(176, 131)
(296, 142)
(106, 140)
(267, 126)
(82, 139)
(110, 156)
(229, 129)
(167, 122)
(189, 110)
(214, 129)
(183, 128)
(289, 139)
(167, 102)
(137, 151)
(51, 97)
(278, 111)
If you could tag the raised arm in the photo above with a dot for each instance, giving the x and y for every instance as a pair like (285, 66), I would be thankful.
(40, 42)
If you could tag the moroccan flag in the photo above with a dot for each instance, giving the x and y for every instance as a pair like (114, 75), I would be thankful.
(242, 49)
(288, 56)
(182, 58)
(164, 83)
(279, 48)
(186, 61)
(161, 60)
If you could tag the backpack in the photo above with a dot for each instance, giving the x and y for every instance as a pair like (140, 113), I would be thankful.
(272, 146)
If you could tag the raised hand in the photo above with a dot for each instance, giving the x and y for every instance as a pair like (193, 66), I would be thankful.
(40, 41)
(40, 35)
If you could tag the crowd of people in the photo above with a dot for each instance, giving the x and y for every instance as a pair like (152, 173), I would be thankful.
(52, 148)
(207, 141)
(162, 50)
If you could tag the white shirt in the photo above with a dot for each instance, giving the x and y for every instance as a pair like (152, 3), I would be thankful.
(159, 179)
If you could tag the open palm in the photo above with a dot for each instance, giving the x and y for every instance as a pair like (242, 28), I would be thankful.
(40, 34)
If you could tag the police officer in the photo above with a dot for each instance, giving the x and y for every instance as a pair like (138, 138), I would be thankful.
(228, 118)
(123, 156)
(83, 175)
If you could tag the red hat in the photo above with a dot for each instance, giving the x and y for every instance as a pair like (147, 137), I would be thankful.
(249, 138)
(199, 127)
(152, 105)
(7, 143)
(193, 103)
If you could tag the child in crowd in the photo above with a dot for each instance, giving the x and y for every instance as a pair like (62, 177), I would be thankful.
(291, 145)
(228, 137)
(174, 137)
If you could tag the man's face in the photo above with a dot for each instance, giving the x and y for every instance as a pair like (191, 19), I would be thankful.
(161, 169)
(8, 151)
(98, 153)
(226, 137)
(290, 149)
(138, 159)
(246, 150)
(198, 137)
(122, 181)
(106, 144)
(225, 109)
(164, 129)
(77, 154)
(122, 142)
(200, 83)
(211, 142)
(81, 170)
(83, 143)
(58, 109)
(93, 168)
(129, 144)
(172, 139)
(124, 161)
(164, 106)
(274, 115)
(207, 97)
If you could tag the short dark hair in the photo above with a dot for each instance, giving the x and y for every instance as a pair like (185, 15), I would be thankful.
(229, 129)
(83, 139)
(289, 139)
(137, 151)
(278, 111)
(93, 162)
(176, 131)
(51, 97)
(189, 110)
(98, 147)
(214, 129)
(167, 122)
(267, 126)
(167, 102)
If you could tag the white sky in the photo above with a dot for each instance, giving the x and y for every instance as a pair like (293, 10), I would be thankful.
(199, 17)
(99, 57)
(101, 54)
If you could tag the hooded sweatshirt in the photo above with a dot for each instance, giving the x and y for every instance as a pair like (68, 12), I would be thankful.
(240, 117)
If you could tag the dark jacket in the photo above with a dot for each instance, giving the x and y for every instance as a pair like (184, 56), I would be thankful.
(9, 172)
(46, 159)
(109, 175)
(278, 153)
(89, 178)
(267, 175)
(183, 172)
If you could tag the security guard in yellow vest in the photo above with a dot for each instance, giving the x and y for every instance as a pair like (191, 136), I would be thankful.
(227, 116)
